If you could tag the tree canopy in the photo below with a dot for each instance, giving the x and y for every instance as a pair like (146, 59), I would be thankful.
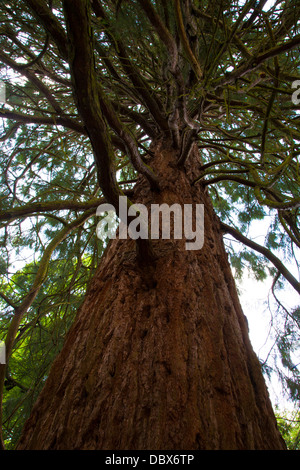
(89, 85)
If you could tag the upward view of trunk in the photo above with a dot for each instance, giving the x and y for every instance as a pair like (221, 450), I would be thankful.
(158, 358)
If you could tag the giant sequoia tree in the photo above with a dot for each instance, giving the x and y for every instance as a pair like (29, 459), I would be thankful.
(164, 102)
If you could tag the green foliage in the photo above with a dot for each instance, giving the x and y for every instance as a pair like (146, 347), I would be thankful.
(289, 427)
(43, 328)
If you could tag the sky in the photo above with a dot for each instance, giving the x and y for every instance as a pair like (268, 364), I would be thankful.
(260, 309)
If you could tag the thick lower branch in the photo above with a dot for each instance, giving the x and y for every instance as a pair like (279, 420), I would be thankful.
(82, 66)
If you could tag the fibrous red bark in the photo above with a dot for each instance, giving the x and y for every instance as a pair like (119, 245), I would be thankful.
(158, 358)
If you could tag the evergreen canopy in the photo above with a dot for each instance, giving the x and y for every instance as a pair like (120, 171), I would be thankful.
(89, 85)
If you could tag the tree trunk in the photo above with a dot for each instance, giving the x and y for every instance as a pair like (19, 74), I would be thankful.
(158, 359)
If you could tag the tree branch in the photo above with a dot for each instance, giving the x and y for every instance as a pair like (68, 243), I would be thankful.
(21, 309)
(47, 206)
(81, 58)
(51, 24)
(162, 31)
(140, 85)
(265, 252)
(64, 121)
(34, 80)
(130, 144)
(255, 61)
(185, 42)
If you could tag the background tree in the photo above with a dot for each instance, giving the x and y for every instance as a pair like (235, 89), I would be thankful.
(101, 94)
(289, 427)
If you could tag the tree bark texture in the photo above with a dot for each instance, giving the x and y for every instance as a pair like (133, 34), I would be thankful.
(158, 358)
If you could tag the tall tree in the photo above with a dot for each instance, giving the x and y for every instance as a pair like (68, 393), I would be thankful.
(164, 102)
